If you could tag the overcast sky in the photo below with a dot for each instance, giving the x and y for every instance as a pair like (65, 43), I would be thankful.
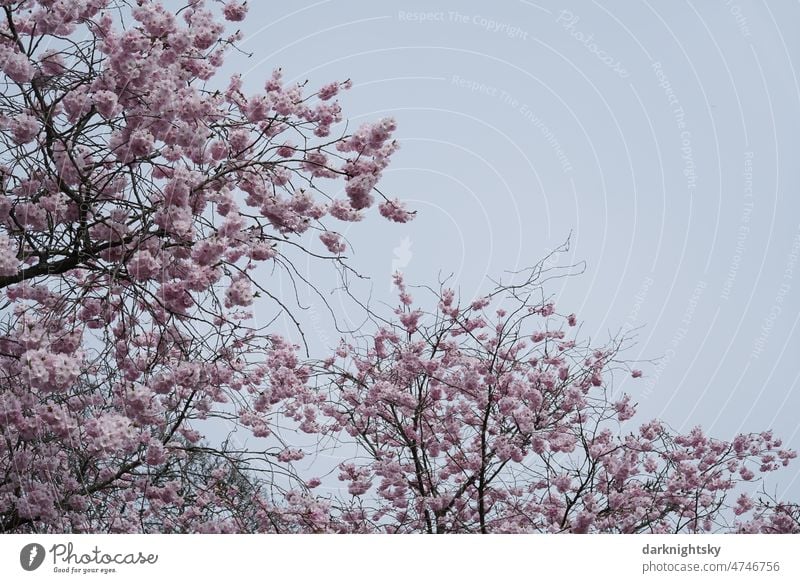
(662, 135)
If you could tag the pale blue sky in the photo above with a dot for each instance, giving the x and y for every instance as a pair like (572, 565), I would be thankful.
(663, 135)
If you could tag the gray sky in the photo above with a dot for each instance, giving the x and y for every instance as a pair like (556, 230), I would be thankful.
(663, 135)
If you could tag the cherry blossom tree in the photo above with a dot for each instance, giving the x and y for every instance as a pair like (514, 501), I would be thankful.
(489, 416)
(136, 202)
(139, 196)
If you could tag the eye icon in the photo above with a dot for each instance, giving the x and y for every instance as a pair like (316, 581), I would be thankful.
(31, 556)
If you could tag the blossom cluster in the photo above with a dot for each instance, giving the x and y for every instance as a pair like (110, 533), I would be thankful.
(489, 416)
(138, 194)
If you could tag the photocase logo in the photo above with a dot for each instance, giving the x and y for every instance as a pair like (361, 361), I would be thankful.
(31, 556)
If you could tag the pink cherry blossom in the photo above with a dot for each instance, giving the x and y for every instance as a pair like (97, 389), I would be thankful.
(333, 241)
(235, 11)
(9, 264)
(138, 204)
(155, 226)
(464, 435)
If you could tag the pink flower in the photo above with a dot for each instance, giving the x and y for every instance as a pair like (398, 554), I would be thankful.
(562, 483)
(143, 266)
(290, 454)
(31, 215)
(257, 108)
(480, 303)
(410, 320)
(175, 296)
(208, 251)
(239, 293)
(286, 150)
(359, 189)
(106, 103)
(218, 150)
(358, 477)
(24, 128)
(156, 455)
(140, 143)
(342, 210)
(625, 410)
(52, 63)
(235, 11)
(333, 241)
(261, 251)
(743, 504)
(77, 102)
(109, 433)
(9, 264)
(205, 29)
(15, 64)
(328, 91)
(239, 140)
